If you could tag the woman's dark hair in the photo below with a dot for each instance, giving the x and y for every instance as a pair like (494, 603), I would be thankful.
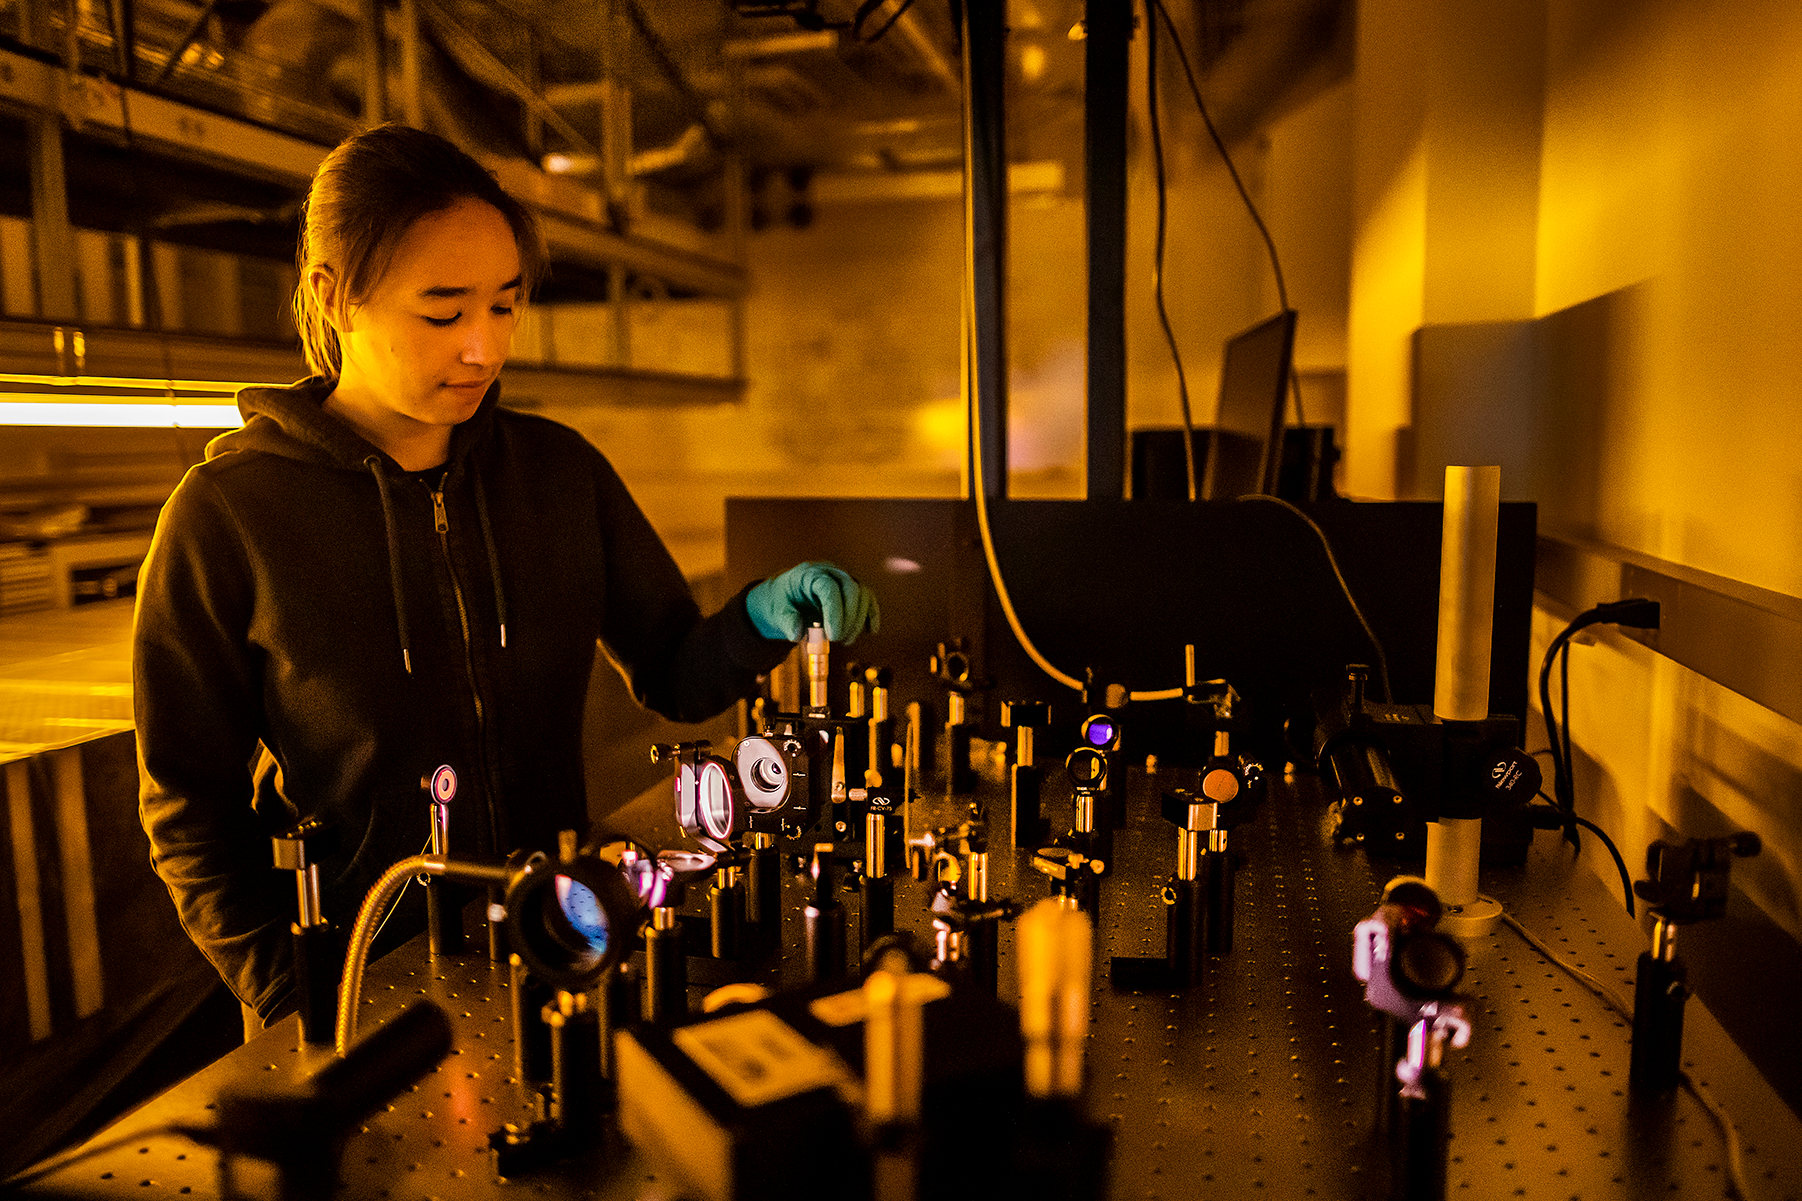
(365, 196)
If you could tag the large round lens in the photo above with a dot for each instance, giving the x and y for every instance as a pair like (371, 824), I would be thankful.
(1428, 964)
(561, 918)
(582, 909)
(713, 800)
(685, 797)
(1100, 731)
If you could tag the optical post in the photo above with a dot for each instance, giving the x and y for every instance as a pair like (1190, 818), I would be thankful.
(316, 947)
(1687, 884)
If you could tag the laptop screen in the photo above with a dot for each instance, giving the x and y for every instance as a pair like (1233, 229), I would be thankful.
(1247, 446)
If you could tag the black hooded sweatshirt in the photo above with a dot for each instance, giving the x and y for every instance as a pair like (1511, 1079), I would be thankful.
(318, 630)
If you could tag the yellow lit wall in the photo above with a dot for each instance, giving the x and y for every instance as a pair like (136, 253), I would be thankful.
(1669, 180)
(1654, 169)
(1672, 168)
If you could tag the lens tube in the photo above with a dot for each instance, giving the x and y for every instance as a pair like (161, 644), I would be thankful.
(714, 806)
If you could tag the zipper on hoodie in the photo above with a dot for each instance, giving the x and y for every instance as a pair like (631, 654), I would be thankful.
(441, 520)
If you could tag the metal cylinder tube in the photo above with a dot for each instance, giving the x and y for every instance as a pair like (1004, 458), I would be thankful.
(665, 970)
(1660, 991)
(726, 911)
(1027, 826)
(1664, 939)
(1185, 932)
(1452, 847)
(763, 887)
(875, 845)
(818, 669)
(1188, 854)
(1217, 897)
(307, 884)
(316, 980)
(976, 882)
(575, 1035)
(531, 1037)
(982, 953)
(1467, 592)
(444, 919)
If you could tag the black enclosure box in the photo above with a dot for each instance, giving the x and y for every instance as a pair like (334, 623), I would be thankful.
(1121, 586)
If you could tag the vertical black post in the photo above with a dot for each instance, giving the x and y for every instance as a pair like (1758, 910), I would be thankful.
(1109, 25)
(985, 236)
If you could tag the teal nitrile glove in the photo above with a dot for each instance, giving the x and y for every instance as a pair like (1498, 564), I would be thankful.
(785, 606)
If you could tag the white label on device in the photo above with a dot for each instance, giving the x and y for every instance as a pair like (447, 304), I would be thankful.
(758, 1058)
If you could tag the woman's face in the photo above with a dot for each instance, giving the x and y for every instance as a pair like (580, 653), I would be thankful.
(431, 337)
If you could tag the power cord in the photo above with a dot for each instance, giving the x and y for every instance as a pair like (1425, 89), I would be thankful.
(1638, 613)
(1736, 1171)
(979, 489)
(1550, 817)
(1157, 259)
(1276, 267)
(1013, 617)
(1332, 560)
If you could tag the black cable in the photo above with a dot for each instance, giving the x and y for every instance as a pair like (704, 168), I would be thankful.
(1376, 644)
(1276, 266)
(1620, 864)
(1561, 789)
(1569, 783)
(1637, 612)
(1157, 262)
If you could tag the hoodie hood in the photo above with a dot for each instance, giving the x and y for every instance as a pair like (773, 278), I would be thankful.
(292, 421)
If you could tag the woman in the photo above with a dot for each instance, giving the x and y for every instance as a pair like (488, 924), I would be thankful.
(383, 573)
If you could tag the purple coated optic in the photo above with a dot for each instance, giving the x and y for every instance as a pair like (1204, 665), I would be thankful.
(1099, 731)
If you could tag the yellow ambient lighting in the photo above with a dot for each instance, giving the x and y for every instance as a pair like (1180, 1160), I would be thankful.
(23, 408)
(139, 384)
(118, 402)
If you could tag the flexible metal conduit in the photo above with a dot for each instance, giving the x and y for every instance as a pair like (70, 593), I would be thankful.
(369, 917)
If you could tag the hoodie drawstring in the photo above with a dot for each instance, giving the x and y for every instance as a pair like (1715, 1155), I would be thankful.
(374, 463)
(494, 560)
